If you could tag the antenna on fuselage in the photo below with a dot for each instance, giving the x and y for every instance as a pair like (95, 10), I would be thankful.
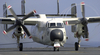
(58, 7)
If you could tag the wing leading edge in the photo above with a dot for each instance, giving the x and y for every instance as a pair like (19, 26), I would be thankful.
(29, 21)
(73, 21)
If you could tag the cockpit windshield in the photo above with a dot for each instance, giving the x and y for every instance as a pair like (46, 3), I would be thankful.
(52, 24)
(55, 25)
(59, 24)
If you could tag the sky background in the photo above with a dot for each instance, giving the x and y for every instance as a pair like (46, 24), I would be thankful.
(92, 9)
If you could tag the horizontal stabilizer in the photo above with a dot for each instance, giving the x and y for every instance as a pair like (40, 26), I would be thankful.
(48, 15)
(71, 15)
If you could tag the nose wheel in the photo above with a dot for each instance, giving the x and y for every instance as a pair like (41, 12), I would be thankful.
(56, 48)
(76, 46)
(21, 47)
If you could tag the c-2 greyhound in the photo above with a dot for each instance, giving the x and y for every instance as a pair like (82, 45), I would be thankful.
(49, 31)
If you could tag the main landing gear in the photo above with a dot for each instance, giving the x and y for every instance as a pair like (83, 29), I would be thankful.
(21, 47)
(56, 48)
(76, 46)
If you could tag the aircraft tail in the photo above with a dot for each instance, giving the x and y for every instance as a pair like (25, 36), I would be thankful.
(4, 10)
(23, 7)
(73, 11)
(5, 14)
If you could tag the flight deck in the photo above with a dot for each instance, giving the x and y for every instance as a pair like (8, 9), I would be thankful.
(49, 51)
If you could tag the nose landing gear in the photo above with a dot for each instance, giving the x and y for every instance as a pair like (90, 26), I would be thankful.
(56, 48)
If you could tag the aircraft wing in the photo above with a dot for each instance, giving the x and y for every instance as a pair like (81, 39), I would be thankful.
(29, 21)
(73, 21)
(93, 19)
(70, 21)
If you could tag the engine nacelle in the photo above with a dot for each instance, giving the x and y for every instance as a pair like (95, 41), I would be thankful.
(79, 30)
(19, 31)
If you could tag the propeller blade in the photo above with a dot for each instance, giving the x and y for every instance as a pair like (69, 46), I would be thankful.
(9, 29)
(85, 31)
(12, 12)
(26, 30)
(28, 15)
(83, 9)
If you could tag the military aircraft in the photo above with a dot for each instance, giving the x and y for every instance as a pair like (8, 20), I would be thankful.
(49, 31)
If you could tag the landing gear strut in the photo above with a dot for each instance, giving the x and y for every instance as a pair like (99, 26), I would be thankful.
(21, 47)
(76, 46)
(56, 48)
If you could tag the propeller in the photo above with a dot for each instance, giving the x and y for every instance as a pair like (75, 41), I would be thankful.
(84, 20)
(19, 22)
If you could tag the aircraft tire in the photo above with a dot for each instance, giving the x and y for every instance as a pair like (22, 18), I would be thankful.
(76, 46)
(54, 48)
(57, 49)
(21, 47)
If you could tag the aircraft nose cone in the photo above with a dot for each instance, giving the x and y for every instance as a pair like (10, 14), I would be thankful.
(56, 34)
